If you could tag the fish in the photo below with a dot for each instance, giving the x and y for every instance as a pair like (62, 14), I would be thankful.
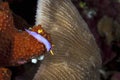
(77, 56)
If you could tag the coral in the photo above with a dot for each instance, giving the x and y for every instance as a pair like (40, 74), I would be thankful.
(16, 47)
(5, 74)
(105, 27)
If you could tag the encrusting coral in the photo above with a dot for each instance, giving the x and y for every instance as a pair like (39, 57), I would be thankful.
(5, 74)
(16, 47)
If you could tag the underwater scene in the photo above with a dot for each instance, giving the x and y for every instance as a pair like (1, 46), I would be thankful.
(59, 39)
